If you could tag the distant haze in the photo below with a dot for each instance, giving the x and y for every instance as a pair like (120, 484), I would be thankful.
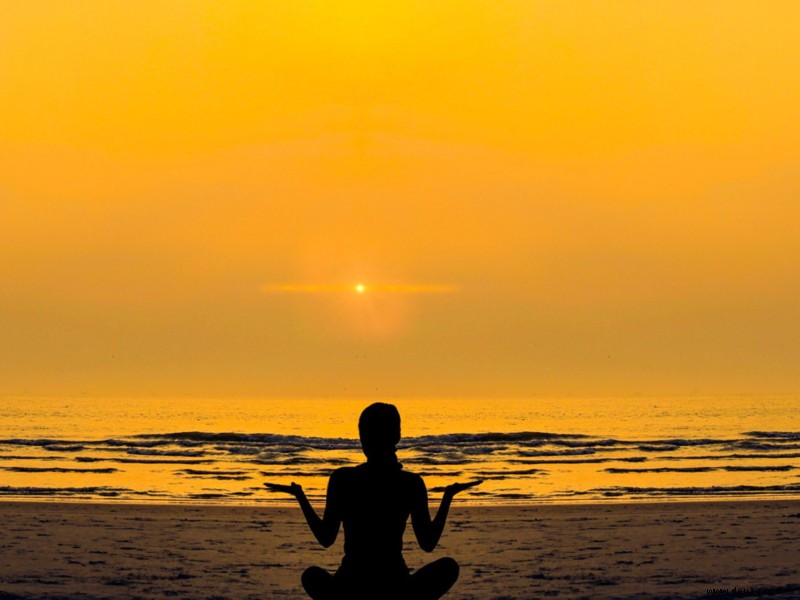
(547, 198)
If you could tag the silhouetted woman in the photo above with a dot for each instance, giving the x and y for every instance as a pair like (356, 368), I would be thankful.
(374, 501)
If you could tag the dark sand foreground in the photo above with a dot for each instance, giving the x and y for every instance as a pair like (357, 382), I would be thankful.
(669, 550)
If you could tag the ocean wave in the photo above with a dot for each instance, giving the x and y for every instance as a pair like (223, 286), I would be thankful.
(301, 460)
(57, 470)
(732, 490)
(495, 495)
(438, 460)
(759, 445)
(458, 439)
(737, 468)
(662, 470)
(154, 452)
(133, 443)
(658, 447)
(315, 473)
(29, 457)
(210, 472)
(571, 452)
(518, 459)
(41, 442)
(511, 472)
(219, 495)
(64, 448)
(145, 461)
(103, 491)
(190, 443)
(219, 475)
(575, 461)
(264, 439)
(729, 468)
(786, 435)
(734, 456)
(502, 475)
(321, 443)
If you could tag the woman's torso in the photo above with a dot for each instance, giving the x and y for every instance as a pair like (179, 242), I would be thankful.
(374, 504)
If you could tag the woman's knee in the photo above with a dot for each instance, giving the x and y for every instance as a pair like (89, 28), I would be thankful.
(449, 567)
(317, 582)
(434, 579)
(312, 574)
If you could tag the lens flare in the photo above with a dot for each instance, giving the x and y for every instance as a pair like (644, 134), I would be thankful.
(360, 288)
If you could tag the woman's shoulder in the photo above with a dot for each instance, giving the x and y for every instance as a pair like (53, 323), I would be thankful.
(409, 474)
(411, 478)
(344, 472)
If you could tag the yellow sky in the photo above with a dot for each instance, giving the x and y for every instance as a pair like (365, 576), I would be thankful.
(608, 191)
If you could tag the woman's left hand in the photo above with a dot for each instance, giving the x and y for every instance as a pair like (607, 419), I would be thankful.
(454, 488)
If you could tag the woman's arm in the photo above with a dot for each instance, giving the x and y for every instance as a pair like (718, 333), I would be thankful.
(428, 532)
(325, 529)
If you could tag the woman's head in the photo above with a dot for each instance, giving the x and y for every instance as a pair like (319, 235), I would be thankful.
(379, 429)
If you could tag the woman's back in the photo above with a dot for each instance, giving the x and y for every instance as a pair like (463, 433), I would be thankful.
(374, 505)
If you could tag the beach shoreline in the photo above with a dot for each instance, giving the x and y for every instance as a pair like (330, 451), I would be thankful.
(433, 499)
(601, 550)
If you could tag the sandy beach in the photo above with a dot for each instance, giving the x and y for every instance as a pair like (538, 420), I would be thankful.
(650, 550)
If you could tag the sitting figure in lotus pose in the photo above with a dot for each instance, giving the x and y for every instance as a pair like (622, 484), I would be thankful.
(373, 501)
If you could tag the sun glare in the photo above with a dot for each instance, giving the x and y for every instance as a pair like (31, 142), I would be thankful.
(360, 288)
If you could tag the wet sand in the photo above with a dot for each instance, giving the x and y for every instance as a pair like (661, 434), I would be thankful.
(664, 550)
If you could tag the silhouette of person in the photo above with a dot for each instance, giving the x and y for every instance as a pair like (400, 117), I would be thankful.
(373, 501)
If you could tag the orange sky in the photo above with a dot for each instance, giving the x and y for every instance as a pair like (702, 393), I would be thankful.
(607, 191)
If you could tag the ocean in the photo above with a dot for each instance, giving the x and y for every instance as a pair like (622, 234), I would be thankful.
(526, 451)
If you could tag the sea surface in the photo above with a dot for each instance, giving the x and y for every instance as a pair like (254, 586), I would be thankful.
(527, 451)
